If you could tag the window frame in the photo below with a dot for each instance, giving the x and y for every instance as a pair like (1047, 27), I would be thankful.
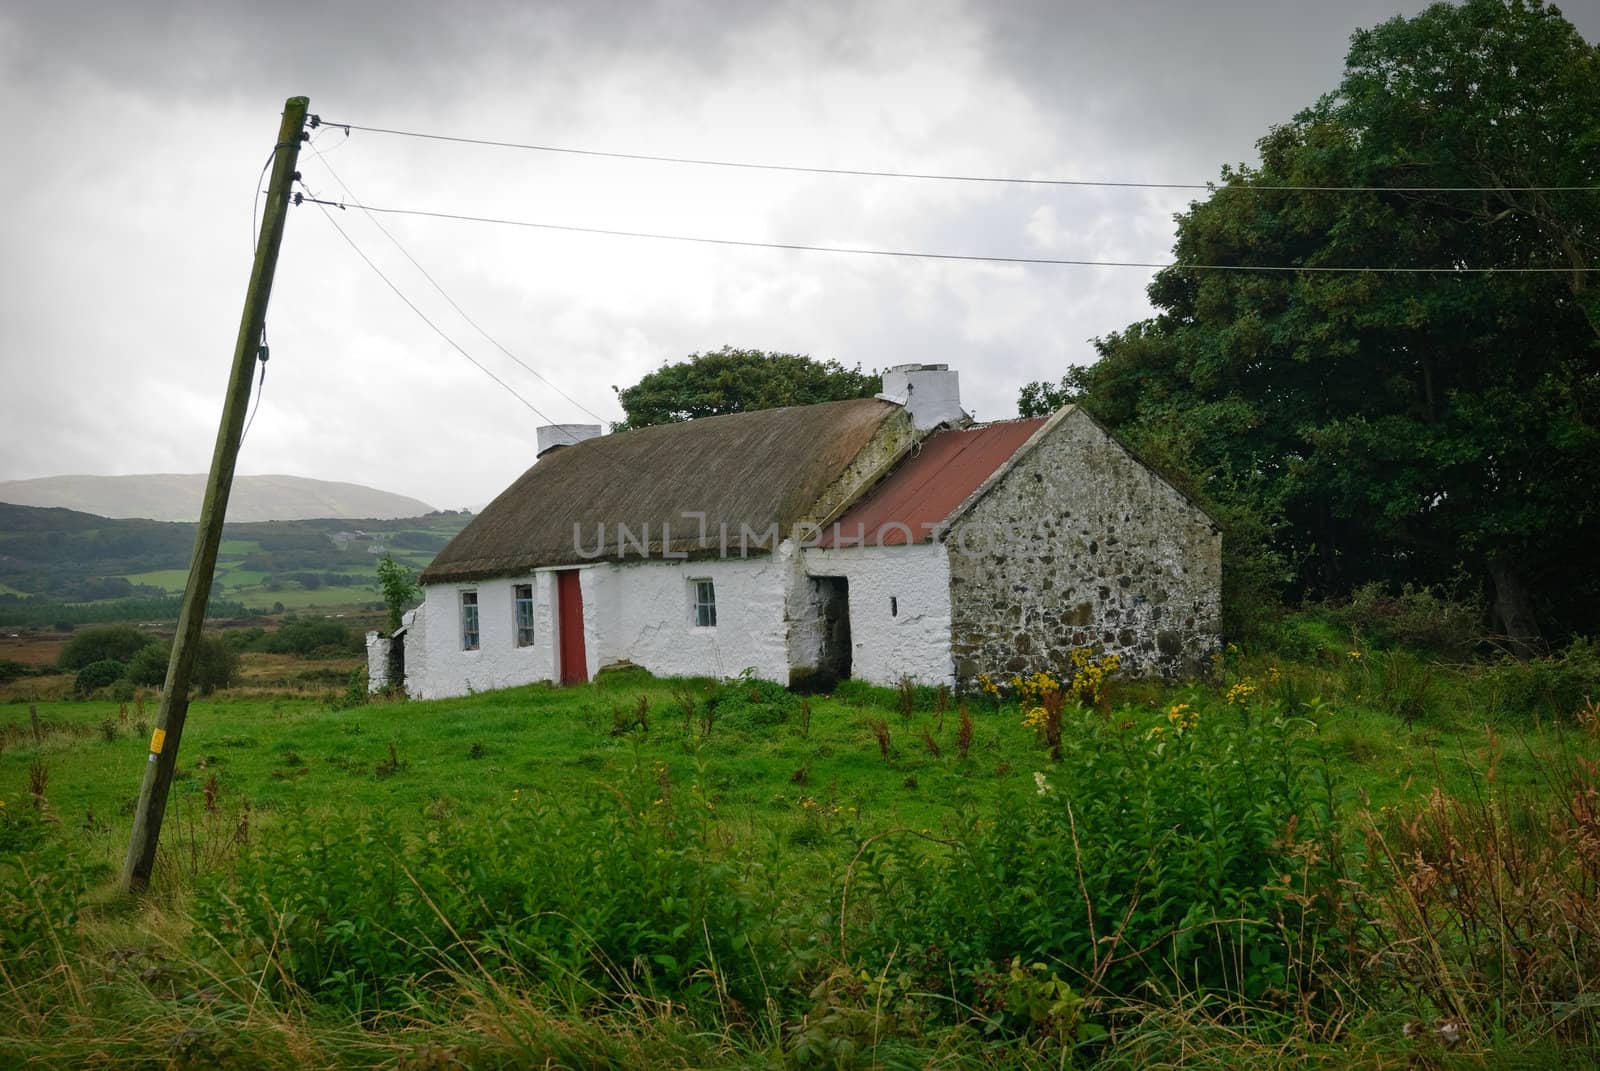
(471, 624)
(702, 602)
(522, 624)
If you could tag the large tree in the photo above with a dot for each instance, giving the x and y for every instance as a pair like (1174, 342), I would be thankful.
(737, 381)
(1383, 424)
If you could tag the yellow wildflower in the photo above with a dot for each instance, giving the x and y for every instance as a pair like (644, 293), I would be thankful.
(1183, 717)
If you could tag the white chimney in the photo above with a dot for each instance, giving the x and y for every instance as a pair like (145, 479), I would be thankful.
(554, 436)
(930, 393)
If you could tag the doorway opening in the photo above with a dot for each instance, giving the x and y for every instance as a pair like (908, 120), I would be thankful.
(832, 594)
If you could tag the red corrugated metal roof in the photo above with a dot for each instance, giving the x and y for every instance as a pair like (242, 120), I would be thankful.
(924, 490)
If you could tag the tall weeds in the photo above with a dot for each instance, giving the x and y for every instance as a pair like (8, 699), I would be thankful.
(1488, 905)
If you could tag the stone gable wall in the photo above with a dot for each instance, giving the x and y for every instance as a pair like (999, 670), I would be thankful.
(1080, 545)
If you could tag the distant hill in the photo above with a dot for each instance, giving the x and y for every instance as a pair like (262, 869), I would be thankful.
(132, 569)
(174, 497)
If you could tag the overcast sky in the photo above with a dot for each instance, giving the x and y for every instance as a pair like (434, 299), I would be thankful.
(138, 130)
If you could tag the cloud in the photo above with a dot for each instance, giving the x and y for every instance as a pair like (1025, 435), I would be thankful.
(129, 234)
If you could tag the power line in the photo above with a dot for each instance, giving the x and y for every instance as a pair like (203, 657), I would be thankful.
(913, 254)
(933, 176)
(412, 306)
(452, 302)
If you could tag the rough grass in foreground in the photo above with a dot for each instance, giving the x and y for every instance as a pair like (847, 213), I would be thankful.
(665, 874)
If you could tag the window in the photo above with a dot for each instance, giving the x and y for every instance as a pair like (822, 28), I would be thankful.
(522, 600)
(704, 595)
(894, 606)
(469, 620)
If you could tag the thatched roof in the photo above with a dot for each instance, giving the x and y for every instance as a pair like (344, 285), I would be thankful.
(743, 470)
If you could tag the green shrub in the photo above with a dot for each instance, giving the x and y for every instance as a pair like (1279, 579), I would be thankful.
(97, 675)
(747, 702)
(113, 643)
(1427, 619)
(355, 692)
(623, 677)
(1553, 688)
(245, 639)
(1309, 636)
(399, 587)
(215, 665)
(310, 637)
(11, 670)
(148, 668)
(42, 885)
(1152, 858)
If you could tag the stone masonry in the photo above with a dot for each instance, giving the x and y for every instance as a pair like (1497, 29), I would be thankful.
(1080, 545)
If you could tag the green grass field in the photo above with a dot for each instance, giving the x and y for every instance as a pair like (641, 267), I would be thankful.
(324, 598)
(245, 586)
(790, 808)
(475, 750)
(173, 580)
(237, 548)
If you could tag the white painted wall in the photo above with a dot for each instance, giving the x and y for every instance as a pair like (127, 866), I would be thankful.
(639, 612)
(416, 626)
(437, 667)
(642, 613)
(915, 642)
(377, 662)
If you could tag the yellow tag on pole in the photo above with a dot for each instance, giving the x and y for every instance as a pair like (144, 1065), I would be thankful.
(157, 739)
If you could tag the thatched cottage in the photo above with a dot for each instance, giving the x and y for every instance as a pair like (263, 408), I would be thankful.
(877, 538)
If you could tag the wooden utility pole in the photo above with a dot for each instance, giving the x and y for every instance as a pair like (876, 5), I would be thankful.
(163, 756)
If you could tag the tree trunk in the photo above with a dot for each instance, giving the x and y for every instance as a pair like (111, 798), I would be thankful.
(1513, 608)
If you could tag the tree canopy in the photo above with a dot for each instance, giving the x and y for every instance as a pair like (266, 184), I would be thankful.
(1377, 423)
(737, 381)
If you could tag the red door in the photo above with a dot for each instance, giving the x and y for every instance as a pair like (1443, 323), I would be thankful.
(569, 609)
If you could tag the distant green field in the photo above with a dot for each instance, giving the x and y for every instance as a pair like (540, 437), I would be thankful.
(240, 547)
(165, 579)
(245, 586)
(175, 580)
(298, 598)
(240, 578)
